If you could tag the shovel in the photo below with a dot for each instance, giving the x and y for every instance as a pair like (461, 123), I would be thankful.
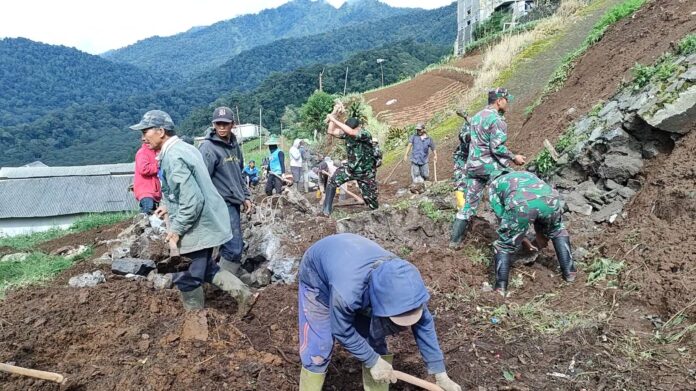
(54, 377)
(426, 385)
(175, 262)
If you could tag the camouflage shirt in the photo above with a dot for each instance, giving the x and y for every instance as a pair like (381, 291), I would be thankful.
(524, 193)
(359, 149)
(487, 151)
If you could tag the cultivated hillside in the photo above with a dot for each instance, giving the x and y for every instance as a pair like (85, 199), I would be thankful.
(205, 48)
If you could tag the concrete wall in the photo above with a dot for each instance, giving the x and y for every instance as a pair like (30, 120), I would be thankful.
(472, 12)
(14, 227)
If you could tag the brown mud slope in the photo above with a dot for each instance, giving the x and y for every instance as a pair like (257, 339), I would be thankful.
(417, 100)
(642, 38)
(125, 335)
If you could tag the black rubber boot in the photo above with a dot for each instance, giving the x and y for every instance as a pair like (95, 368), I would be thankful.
(458, 233)
(328, 201)
(565, 257)
(502, 271)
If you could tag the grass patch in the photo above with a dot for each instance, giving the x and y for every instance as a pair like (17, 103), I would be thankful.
(84, 223)
(433, 213)
(615, 14)
(687, 46)
(539, 316)
(602, 269)
(477, 255)
(38, 267)
(544, 162)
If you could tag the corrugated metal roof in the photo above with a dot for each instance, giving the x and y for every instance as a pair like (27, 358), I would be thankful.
(65, 195)
(44, 172)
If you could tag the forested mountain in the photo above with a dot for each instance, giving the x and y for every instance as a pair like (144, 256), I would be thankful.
(249, 68)
(91, 133)
(404, 59)
(204, 48)
(36, 78)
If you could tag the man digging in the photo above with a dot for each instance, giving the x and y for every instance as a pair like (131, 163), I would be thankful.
(487, 154)
(354, 291)
(198, 216)
(520, 199)
(420, 145)
(361, 165)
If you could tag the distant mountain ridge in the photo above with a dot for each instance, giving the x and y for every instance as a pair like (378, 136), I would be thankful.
(202, 49)
(36, 78)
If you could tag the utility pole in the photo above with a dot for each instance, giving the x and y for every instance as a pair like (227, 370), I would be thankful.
(241, 136)
(260, 136)
(380, 61)
(321, 74)
(345, 83)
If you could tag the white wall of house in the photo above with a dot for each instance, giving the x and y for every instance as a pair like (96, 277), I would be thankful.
(15, 226)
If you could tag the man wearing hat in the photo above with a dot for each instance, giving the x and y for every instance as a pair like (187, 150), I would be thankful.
(222, 155)
(276, 167)
(487, 153)
(354, 291)
(520, 199)
(198, 217)
(421, 144)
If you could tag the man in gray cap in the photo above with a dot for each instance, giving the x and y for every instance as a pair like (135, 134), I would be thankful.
(421, 144)
(223, 157)
(198, 217)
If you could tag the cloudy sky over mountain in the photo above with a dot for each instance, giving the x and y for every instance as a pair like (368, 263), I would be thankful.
(98, 26)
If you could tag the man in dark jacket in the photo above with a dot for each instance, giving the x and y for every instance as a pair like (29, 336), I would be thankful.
(223, 157)
(354, 291)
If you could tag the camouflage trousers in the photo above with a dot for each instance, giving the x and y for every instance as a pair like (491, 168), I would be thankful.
(459, 178)
(518, 217)
(366, 182)
(474, 191)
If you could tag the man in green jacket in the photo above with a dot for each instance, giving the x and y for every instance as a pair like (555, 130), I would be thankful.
(198, 216)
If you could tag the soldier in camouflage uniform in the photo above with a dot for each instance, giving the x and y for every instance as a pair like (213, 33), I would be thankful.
(520, 199)
(487, 153)
(460, 156)
(361, 166)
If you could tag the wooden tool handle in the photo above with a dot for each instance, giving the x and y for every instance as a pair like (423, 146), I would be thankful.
(426, 385)
(55, 377)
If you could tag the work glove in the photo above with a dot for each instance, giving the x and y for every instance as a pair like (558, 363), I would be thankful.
(442, 380)
(383, 372)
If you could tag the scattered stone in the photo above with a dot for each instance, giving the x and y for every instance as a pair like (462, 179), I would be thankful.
(401, 192)
(650, 150)
(157, 224)
(160, 281)
(70, 251)
(634, 184)
(138, 266)
(607, 212)
(284, 269)
(576, 202)
(690, 74)
(261, 276)
(16, 257)
(580, 253)
(596, 133)
(611, 185)
(105, 259)
(609, 107)
(87, 279)
(120, 252)
(626, 192)
(131, 276)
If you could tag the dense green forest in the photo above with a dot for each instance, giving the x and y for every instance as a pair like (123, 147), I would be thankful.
(36, 78)
(91, 133)
(205, 48)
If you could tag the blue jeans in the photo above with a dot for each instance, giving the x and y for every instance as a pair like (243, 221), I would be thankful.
(202, 269)
(147, 205)
(316, 340)
(232, 250)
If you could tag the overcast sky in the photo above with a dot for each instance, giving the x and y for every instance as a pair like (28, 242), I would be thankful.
(96, 26)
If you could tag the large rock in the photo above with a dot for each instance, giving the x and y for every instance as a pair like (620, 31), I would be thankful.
(284, 269)
(621, 168)
(577, 203)
(676, 117)
(263, 245)
(87, 279)
(137, 266)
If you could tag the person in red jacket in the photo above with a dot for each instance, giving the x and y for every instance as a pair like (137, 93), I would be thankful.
(146, 183)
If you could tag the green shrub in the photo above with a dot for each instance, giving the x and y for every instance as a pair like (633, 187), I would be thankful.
(687, 45)
(544, 163)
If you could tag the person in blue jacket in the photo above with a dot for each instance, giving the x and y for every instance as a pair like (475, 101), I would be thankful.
(251, 174)
(354, 291)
